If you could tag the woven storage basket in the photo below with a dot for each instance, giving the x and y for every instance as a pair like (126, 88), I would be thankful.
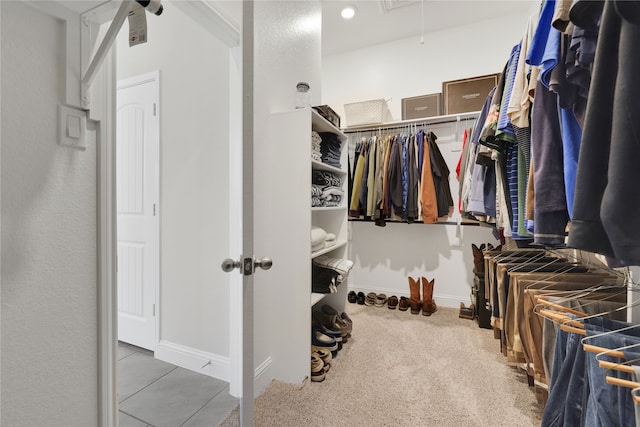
(371, 112)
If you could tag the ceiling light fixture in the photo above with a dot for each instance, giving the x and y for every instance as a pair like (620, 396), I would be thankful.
(348, 12)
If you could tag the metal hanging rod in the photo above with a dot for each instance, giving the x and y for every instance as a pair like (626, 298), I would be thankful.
(451, 118)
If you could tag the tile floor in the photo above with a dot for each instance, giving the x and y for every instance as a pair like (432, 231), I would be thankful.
(152, 393)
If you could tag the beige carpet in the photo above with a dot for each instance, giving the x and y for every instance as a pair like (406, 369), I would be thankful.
(401, 369)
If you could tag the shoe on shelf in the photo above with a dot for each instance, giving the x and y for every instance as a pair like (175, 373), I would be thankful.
(333, 333)
(381, 299)
(371, 299)
(324, 354)
(404, 304)
(392, 302)
(316, 363)
(352, 297)
(360, 298)
(328, 310)
(328, 316)
(344, 316)
(320, 339)
(347, 320)
(318, 377)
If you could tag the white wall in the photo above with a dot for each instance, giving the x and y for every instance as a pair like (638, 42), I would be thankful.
(194, 99)
(49, 261)
(406, 68)
(287, 50)
(384, 257)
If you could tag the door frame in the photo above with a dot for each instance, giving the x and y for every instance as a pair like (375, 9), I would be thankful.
(103, 109)
(151, 77)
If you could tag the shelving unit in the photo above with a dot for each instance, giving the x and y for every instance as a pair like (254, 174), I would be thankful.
(288, 232)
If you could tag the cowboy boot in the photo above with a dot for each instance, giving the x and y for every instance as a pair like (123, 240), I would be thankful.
(414, 299)
(478, 260)
(428, 304)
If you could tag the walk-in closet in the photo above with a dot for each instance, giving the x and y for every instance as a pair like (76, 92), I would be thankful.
(364, 213)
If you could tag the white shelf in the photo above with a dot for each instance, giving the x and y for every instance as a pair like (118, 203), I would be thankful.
(330, 208)
(316, 298)
(320, 124)
(316, 165)
(338, 244)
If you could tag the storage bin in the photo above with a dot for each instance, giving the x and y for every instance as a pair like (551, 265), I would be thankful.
(418, 107)
(371, 112)
(466, 95)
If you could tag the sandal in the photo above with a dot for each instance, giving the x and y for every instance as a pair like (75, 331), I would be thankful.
(371, 298)
(392, 302)
(381, 299)
(360, 298)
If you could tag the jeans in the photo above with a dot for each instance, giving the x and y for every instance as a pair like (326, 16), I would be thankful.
(562, 399)
(608, 405)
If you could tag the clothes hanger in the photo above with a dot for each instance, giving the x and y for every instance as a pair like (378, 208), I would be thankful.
(568, 324)
(569, 295)
(571, 253)
(622, 367)
(619, 354)
(612, 352)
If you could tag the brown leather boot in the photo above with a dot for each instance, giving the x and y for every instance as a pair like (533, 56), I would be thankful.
(478, 260)
(414, 288)
(428, 304)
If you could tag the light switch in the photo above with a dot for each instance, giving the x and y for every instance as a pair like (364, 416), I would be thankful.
(72, 127)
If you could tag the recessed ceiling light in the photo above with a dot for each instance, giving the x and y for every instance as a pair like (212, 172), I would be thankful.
(348, 12)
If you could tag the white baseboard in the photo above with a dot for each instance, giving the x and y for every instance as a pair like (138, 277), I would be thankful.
(442, 300)
(202, 362)
(210, 364)
(262, 377)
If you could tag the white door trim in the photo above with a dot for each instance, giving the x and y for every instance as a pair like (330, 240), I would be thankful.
(104, 91)
(152, 76)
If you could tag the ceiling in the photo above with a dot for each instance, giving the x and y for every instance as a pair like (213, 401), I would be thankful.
(373, 25)
(381, 21)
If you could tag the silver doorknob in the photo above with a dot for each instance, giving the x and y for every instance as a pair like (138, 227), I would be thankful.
(264, 263)
(228, 265)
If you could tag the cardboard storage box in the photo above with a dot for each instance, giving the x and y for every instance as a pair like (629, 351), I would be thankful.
(418, 107)
(465, 95)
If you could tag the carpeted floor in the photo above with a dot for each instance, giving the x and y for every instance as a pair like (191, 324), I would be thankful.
(400, 369)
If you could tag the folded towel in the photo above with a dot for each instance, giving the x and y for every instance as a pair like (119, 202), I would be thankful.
(315, 248)
(318, 236)
(343, 266)
(330, 237)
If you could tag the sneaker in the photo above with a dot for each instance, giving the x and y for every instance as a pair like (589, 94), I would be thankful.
(352, 297)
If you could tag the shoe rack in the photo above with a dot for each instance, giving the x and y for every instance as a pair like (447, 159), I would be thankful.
(288, 234)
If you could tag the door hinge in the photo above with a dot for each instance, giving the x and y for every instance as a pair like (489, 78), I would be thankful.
(154, 209)
(154, 109)
(154, 310)
(116, 263)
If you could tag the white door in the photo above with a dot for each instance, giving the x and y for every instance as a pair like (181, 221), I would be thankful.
(137, 181)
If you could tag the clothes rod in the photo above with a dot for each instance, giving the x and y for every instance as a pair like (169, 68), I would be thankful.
(152, 6)
(389, 221)
(435, 120)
